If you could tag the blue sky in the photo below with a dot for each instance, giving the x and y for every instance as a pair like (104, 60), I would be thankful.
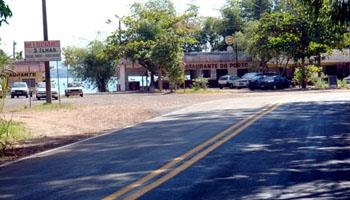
(75, 22)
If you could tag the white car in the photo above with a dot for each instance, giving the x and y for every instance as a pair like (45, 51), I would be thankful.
(41, 91)
(19, 89)
(240, 83)
(347, 80)
(226, 81)
(74, 89)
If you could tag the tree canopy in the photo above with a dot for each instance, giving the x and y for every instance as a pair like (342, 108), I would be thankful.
(91, 64)
(144, 34)
(5, 12)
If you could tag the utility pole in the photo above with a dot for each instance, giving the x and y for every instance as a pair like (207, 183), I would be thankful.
(236, 49)
(14, 49)
(47, 63)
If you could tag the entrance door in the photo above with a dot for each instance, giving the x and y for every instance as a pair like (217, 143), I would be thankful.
(241, 72)
(221, 72)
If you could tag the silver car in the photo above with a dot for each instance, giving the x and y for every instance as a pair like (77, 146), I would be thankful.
(226, 81)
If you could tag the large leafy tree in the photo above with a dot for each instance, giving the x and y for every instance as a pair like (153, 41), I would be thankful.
(253, 9)
(91, 64)
(5, 12)
(340, 9)
(146, 28)
(298, 35)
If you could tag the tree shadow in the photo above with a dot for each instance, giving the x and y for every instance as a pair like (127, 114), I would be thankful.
(300, 151)
(95, 168)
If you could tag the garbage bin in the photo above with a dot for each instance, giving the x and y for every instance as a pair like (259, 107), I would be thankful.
(332, 81)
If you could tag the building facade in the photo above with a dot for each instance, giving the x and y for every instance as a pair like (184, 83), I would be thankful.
(212, 65)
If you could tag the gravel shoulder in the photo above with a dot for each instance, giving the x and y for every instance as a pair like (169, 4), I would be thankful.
(97, 114)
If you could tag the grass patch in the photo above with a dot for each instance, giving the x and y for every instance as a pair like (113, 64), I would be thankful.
(198, 91)
(10, 133)
(48, 107)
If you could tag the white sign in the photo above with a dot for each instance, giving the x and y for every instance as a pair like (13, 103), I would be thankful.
(42, 50)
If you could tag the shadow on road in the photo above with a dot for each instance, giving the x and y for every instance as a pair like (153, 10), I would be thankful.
(96, 168)
(300, 151)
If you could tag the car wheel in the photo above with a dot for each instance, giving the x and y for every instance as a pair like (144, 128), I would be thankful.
(27, 96)
(81, 95)
(231, 86)
(17, 97)
(38, 98)
(12, 96)
(221, 87)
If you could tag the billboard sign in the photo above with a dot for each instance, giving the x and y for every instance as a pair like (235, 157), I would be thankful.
(42, 50)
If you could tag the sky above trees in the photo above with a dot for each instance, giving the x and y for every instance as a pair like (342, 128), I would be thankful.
(75, 22)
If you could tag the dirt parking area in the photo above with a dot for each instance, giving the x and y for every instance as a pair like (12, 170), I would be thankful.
(97, 114)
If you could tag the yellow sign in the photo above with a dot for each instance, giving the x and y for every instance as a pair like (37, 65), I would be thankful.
(229, 40)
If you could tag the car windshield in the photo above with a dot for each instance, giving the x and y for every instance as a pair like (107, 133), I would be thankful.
(234, 77)
(74, 85)
(19, 85)
(249, 75)
(223, 78)
(43, 85)
(269, 78)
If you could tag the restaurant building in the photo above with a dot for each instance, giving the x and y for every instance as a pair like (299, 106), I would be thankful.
(29, 72)
(212, 65)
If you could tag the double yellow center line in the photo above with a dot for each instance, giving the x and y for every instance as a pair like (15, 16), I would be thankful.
(198, 153)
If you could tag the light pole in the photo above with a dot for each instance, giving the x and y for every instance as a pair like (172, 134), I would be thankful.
(14, 49)
(47, 63)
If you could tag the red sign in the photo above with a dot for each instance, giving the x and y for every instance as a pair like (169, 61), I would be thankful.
(42, 50)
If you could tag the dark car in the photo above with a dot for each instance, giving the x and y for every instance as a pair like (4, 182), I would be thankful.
(271, 82)
(254, 81)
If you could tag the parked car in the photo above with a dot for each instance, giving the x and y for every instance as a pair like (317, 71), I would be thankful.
(240, 83)
(270, 82)
(347, 79)
(254, 81)
(226, 81)
(41, 91)
(244, 81)
(74, 89)
(19, 89)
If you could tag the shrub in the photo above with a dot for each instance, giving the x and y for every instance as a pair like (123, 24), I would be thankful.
(342, 84)
(200, 83)
(312, 73)
(10, 132)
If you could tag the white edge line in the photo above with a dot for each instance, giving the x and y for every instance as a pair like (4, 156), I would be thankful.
(36, 155)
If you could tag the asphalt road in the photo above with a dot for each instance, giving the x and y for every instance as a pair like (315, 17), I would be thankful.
(298, 149)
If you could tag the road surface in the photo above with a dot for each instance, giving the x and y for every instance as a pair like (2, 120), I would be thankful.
(292, 147)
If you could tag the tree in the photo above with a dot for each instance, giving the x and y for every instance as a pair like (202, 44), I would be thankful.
(168, 54)
(340, 9)
(91, 64)
(5, 12)
(145, 27)
(253, 9)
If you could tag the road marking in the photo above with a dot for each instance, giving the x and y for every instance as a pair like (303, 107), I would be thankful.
(245, 122)
(196, 158)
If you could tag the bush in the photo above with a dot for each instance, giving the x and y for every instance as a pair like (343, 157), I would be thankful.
(10, 132)
(342, 84)
(311, 75)
(200, 83)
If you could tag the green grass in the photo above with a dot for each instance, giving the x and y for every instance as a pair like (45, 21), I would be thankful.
(198, 91)
(48, 107)
(10, 133)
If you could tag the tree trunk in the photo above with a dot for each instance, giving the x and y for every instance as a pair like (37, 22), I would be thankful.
(303, 75)
(160, 80)
(319, 60)
(101, 86)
